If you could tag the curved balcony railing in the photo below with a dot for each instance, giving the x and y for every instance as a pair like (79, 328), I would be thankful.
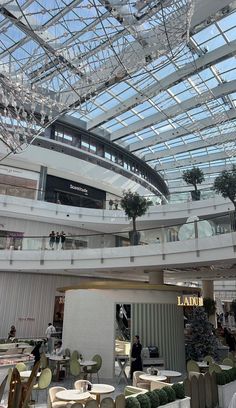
(194, 229)
(34, 194)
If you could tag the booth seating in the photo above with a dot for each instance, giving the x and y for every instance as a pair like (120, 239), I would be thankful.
(53, 402)
(137, 382)
(150, 357)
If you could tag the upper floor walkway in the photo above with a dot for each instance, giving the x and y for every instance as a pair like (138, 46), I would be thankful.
(105, 220)
(198, 243)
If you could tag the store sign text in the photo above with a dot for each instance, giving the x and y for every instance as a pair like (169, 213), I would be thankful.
(189, 301)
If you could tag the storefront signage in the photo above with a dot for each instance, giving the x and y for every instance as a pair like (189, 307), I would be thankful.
(78, 188)
(26, 319)
(189, 301)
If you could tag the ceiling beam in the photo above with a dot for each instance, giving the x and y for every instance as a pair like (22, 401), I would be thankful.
(213, 57)
(220, 139)
(180, 131)
(175, 110)
(175, 175)
(192, 161)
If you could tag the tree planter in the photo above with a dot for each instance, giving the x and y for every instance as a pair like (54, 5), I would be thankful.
(179, 403)
(196, 195)
(225, 393)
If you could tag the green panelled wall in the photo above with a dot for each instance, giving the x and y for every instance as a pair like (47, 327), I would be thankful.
(161, 325)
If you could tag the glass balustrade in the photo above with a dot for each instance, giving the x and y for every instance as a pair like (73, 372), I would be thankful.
(192, 229)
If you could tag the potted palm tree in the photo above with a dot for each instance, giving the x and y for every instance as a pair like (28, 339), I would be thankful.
(134, 206)
(194, 176)
(225, 184)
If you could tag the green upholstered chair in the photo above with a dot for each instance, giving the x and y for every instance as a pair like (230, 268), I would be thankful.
(231, 356)
(77, 405)
(120, 401)
(21, 367)
(75, 369)
(107, 402)
(74, 355)
(43, 361)
(208, 359)
(192, 366)
(94, 369)
(214, 368)
(228, 361)
(44, 381)
(67, 352)
(91, 404)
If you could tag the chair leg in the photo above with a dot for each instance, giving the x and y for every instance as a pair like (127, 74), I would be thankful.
(98, 377)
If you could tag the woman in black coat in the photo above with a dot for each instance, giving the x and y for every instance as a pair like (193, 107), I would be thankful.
(136, 361)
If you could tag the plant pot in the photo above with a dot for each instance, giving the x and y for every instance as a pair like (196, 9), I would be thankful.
(196, 195)
(134, 237)
(225, 393)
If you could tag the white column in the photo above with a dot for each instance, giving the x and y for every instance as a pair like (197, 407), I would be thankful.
(156, 278)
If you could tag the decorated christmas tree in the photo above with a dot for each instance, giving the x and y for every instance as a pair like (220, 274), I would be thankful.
(202, 341)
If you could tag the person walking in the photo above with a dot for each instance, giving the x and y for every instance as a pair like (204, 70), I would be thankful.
(49, 332)
(57, 240)
(136, 360)
(63, 239)
(52, 238)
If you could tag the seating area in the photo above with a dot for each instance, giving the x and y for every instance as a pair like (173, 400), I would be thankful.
(69, 382)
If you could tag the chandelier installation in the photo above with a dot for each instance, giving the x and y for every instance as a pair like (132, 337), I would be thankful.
(58, 58)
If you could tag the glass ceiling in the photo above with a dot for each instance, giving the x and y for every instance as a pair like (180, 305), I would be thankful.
(129, 68)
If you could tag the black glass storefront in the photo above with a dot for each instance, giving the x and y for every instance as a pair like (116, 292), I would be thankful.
(66, 192)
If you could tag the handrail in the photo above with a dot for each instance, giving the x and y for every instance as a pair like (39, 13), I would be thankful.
(116, 202)
(195, 229)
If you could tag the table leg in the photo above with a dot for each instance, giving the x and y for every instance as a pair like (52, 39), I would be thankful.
(58, 371)
(98, 398)
(122, 370)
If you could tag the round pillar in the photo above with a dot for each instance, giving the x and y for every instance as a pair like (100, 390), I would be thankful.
(208, 292)
(208, 289)
(156, 278)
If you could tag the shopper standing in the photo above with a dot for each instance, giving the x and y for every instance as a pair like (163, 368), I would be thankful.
(12, 333)
(52, 238)
(49, 331)
(63, 239)
(136, 361)
(57, 239)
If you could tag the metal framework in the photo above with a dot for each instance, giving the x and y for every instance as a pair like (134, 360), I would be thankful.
(172, 102)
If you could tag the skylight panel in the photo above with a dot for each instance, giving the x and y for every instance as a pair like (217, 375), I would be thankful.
(208, 32)
(227, 22)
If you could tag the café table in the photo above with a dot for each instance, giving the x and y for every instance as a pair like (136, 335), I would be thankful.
(99, 389)
(73, 395)
(122, 361)
(87, 363)
(169, 374)
(27, 374)
(149, 377)
(59, 360)
(203, 364)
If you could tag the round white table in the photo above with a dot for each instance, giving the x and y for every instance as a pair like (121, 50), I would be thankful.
(88, 363)
(27, 374)
(72, 395)
(149, 377)
(170, 374)
(59, 361)
(99, 389)
(225, 367)
(203, 364)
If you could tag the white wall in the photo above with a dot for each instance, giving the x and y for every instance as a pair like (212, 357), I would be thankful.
(25, 295)
(89, 320)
